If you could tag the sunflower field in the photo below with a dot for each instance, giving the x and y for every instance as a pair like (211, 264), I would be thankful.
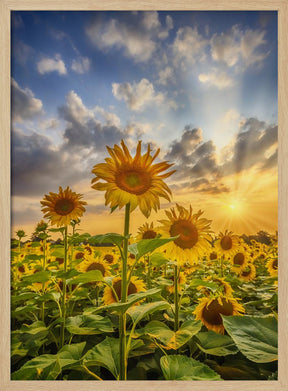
(177, 301)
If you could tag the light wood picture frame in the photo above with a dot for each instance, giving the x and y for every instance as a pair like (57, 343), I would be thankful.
(281, 6)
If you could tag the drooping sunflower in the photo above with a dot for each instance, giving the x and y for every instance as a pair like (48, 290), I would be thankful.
(91, 263)
(136, 285)
(193, 234)
(210, 309)
(60, 208)
(132, 180)
(272, 266)
(146, 231)
(249, 273)
(227, 243)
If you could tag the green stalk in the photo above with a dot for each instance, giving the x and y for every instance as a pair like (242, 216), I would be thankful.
(43, 284)
(149, 273)
(63, 303)
(124, 289)
(176, 299)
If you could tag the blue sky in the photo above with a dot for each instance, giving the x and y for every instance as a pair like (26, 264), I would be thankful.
(187, 82)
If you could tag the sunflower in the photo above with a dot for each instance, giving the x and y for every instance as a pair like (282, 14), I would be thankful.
(90, 263)
(135, 286)
(240, 260)
(146, 231)
(110, 255)
(132, 180)
(210, 309)
(249, 273)
(63, 207)
(193, 234)
(272, 266)
(227, 243)
(181, 282)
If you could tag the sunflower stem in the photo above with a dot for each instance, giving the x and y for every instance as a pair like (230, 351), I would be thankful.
(176, 299)
(124, 289)
(149, 273)
(63, 303)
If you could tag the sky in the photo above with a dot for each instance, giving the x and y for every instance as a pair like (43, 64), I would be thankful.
(201, 86)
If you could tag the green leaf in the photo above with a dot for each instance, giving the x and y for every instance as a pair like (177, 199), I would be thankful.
(84, 278)
(255, 337)
(89, 325)
(146, 246)
(107, 238)
(177, 367)
(171, 339)
(41, 276)
(132, 299)
(114, 208)
(36, 330)
(105, 354)
(140, 311)
(215, 344)
(195, 283)
(49, 366)
(158, 259)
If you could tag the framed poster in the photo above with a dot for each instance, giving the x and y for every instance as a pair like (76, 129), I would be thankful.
(144, 207)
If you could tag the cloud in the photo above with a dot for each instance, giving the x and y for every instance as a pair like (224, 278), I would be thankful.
(188, 46)
(47, 65)
(135, 33)
(216, 79)
(24, 105)
(165, 75)
(83, 127)
(37, 167)
(81, 65)
(235, 46)
(253, 141)
(22, 52)
(137, 95)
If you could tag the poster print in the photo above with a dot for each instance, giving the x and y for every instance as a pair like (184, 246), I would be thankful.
(144, 195)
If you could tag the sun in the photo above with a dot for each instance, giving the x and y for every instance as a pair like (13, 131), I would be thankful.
(235, 206)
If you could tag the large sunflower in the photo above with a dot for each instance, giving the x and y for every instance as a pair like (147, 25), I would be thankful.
(134, 286)
(227, 243)
(193, 234)
(132, 180)
(62, 207)
(272, 266)
(210, 309)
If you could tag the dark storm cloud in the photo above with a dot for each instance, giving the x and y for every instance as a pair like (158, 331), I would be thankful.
(83, 129)
(252, 142)
(182, 149)
(24, 105)
(37, 167)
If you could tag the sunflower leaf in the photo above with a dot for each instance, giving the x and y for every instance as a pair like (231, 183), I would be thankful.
(158, 259)
(171, 339)
(107, 238)
(177, 367)
(255, 337)
(139, 312)
(146, 246)
(89, 325)
(84, 278)
(215, 344)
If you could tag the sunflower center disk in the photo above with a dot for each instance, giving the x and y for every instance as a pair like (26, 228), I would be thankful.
(188, 233)
(134, 181)
(150, 234)
(239, 259)
(109, 258)
(96, 266)
(275, 264)
(247, 272)
(117, 288)
(226, 242)
(63, 207)
(211, 313)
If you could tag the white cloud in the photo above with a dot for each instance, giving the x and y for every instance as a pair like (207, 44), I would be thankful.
(110, 118)
(137, 95)
(164, 75)
(237, 45)
(81, 65)
(24, 104)
(136, 34)
(47, 65)
(216, 79)
(188, 46)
